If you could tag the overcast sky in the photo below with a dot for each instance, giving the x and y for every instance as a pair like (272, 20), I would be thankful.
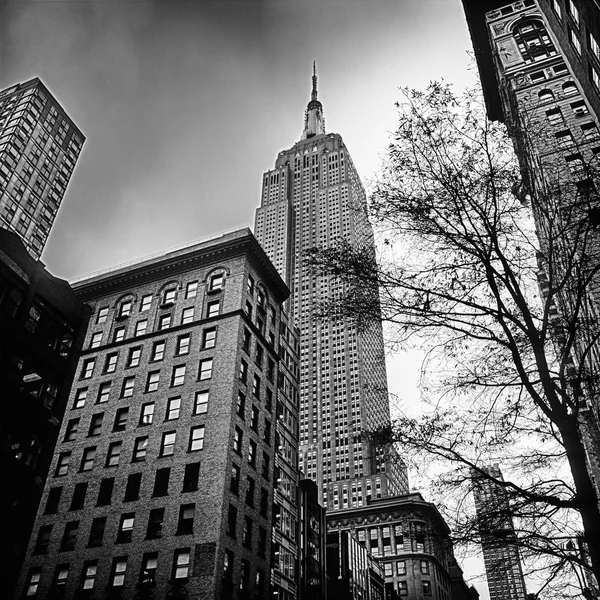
(185, 104)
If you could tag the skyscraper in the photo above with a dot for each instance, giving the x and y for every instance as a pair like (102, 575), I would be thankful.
(39, 146)
(501, 558)
(313, 197)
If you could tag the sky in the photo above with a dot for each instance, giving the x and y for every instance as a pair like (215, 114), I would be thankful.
(185, 104)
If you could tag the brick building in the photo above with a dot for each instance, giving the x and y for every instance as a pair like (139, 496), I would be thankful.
(43, 325)
(162, 483)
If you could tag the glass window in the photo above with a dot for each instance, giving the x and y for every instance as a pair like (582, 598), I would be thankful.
(252, 453)
(169, 296)
(132, 489)
(103, 392)
(573, 11)
(181, 564)
(209, 337)
(80, 398)
(140, 327)
(594, 47)
(146, 302)
(140, 449)
(167, 447)
(96, 425)
(102, 314)
(125, 308)
(155, 523)
(238, 436)
(147, 414)
(119, 566)
(185, 524)
(152, 381)
(250, 285)
(158, 350)
(217, 281)
(121, 417)
(401, 567)
(191, 289)
(96, 340)
(69, 536)
(575, 41)
(97, 531)
(173, 406)
(128, 385)
(205, 371)
(114, 453)
(125, 531)
(212, 308)
(87, 459)
(133, 360)
(234, 484)
(161, 482)
(88, 368)
(191, 477)
(62, 465)
(71, 430)
(119, 334)
(187, 316)
(178, 376)
(183, 345)
(110, 364)
(149, 566)
(241, 405)
(196, 438)
(88, 575)
(164, 322)
(201, 403)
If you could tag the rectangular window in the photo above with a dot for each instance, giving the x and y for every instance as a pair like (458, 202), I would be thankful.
(62, 465)
(71, 430)
(111, 362)
(88, 575)
(575, 41)
(43, 539)
(79, 493)
(125, 308)
(80, 398)
(117, 574)
(127, 388)
(97, 532)
(149, 566)
(173, 406)
(243, 371)
(231, 521)
(105, 492)
(403, 588)
(187, 315)
(61, 574)
(164, 322)
(250, 285)
(146, 303)
(247, 535)
(252, 453)
(262, 541)
(96, 425)
(161, 482)
(205, 370)
(241, 405)
(555, 116)
(238, 437)
(246, 340)
(69, 536)
(88, 368)
(250, 491)
(594, 47)
(209, 337)
(53, 500)
(147, 414)
(256, 385)
(216, 282)
(103, 392)
(178, 376)
(140, 448)
(427, 588)
(191, 477)
(87, 459)
(201, 403)
(167, 446)
(258, 358)
(212, 309)
(133, 360)
(595, 77)
(573, 11)
(181, 564)
(234, 484)
(254, 418)
(125, 531)
(183, 345)
(119, 334)
(121, 417)
(185, 524)
(387, 569)
(140, 327)
(196, 438)
(169, 296)
(114, 453)
(155, 523)
(191, 289)
(267, 432)
(266, 465)
(152, 381)
(424, 567)
(590, 131)
(401, 567)
(132, 489)
(264, 502)
(102, 314)
(244, 576)
(96, 340)
(579, 108)
(158, 351)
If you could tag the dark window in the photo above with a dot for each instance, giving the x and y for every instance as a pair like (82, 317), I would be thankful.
(264, 502)
(97, 532)
(96, 425)
(132, 490)
(69, 536)
(62, 465)
(79, 492)
(254, 418)
(121, 419)
(161, 482)
(241, 405)
(250, 492)
(155, 523)
(256, 386)
(267, 432)
(234, 486)
(53, 500)
(238, 437)
(149, 565)
(191, 477)
(231, 521)
(43, 539)
(252, 453)
(262, 541)
(125, 532)
(185, 524)
(247, 537)
(71, 430)
(266, 465)
(244, 575)
(105, 493)
(243, 371)
(246, 340)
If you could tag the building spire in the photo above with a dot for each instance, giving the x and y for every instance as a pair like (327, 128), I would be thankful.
(314, 121)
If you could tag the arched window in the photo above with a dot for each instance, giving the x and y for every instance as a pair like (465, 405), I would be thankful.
(569, 88)
(546, 95)
(533, 40)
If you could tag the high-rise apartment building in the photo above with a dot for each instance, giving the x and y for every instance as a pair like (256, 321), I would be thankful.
(39, 147)
(314, 197)
(501, 558)
(177, 429)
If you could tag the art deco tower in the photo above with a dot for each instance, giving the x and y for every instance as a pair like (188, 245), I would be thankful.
(314, 197)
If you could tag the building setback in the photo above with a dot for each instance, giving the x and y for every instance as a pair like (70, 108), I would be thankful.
(163, 482)
(43, 326)
(314, 197)
(39, 147)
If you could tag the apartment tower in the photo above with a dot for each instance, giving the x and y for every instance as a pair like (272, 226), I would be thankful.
(39, 147)
(314, 197)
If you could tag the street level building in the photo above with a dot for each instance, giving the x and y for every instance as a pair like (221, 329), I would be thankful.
(43, 325)
(314, 197)
(411, 542)
(501, 558)
(39, 147)
(162, 485)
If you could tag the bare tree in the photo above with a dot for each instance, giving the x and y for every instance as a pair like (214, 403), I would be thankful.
(503, 306)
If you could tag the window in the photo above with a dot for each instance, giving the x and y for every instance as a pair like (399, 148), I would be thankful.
(121, 419)
(152, 381)
(97, 532)
(579, 108)
(103, 392)
(387, 569)
(146, 302)
(248, 308)
(238, 437)
(96, 425)
(574, 162)
(427, 588)
(241, 405)
(147, 413)
(173, 406)
(133, 360)
(234, 484)
(105, 492)
(88, 368)
(546, 95)
(252, 453)
(169, 296)
(191, 289)
(149, 565)
(33, 581)
(183, 345)
(533, 40)
(87, 459)
(140, 327)
(259, 355)
(250, 285)
(262, 541)
(254, 418)
(201, 403)
(555, 116)
(264, 502)
(125, 308)
(117, 573)
(573, 11)
(155, 523)
(181, 564)
(119, 334)
(69, 536)
(231, 521)
(243, 371)
(140, 448)
(111, 362)
(247, 535)
(102, 314)
(167, 446)
(403, 588)
(61, 574)
(424, 567)
(212, 309)
(80, 398)
(401, 567)
(244, 575)
(132, 489)
(125, 531)
(564, 139)
(113, 455)
(88, 575)
(71, 430)
(266, 464)
(164, 322)
(595, 77)
(246, 340)
(96, 340)
(205, 370)
(127, 388)
(590, 131)
(43, 539)
(594, 46)
(569, 88)
(187, 316)
(191, 477)
(53, 500)
(62, 465)
(250, 491)
(209, 337)
(185, 524)
(161, 482)
(158, 350)
(256, 385)
(575, 41)
(178, 376)
(196, 438)
(269, 399)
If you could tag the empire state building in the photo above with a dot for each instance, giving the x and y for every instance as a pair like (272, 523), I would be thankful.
(314, 197)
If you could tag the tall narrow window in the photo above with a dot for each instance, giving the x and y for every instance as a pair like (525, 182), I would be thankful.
(158, 350)
(110, 364)
(128, 385)
(181, 564)
(62, 465)
(140, 448)
(88, 575)
(196, 438)
(121, 417)
(87, 459)
(105, 492)
(147, 414)
(69, 536)
(191, 289)
(149, 566)
(117, 575)
(71, 430)
(80, 398)
(133, 360)
(167, 447)
(43, 539)
(125, 531)
(113, 455)
(201, 403)
(103, 392)
(88, 368)
(209, 337)
(205, 370)
(161, 482)
(183, 345)
(132, 489)
(185, 524)
(140, 327)
(173, 407)
(146, 302)
(152, 381)
(96, 425)
(102, 314)
(155, 523)
(191, 477)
